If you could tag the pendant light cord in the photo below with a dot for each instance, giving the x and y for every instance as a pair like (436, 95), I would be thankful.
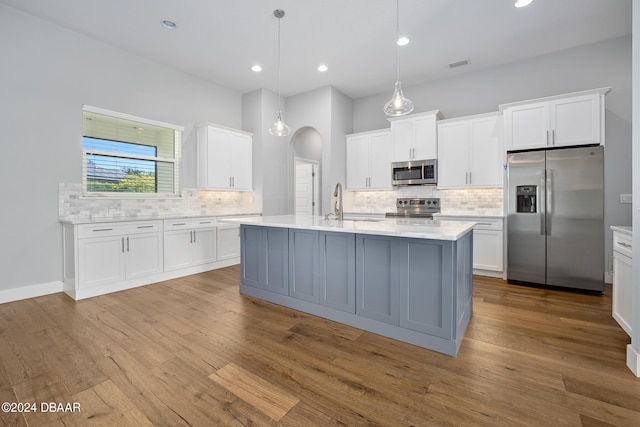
(397, 37)
(278, 79)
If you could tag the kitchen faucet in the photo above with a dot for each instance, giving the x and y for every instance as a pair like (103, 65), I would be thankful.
(338, 205)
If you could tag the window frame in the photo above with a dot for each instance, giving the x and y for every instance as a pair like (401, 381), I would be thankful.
(176, 160)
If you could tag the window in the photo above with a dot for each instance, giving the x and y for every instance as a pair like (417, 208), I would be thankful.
(123, 154)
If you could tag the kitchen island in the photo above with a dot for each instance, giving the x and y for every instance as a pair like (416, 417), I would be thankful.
(407, 279)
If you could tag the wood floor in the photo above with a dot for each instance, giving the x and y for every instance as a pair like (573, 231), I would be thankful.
(192, 351)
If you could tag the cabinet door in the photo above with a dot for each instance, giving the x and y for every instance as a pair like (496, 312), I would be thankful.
(303, 268)
(425, 141)
(241, 161)
(575, 121)
(203, 247)
(622, 309)
(337, 271)
(357, 162)
(380, 162)
(276, 264)
(177, 249)
(453, 154)
(426, 297)
(376, 279)
(487, 250)
(251, 259)
(218, 160)
(486, 160)
(228, 242)
(144, 254)
(101, 260)
(402, 139)
(527, 126)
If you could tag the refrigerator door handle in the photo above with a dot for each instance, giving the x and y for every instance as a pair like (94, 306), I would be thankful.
(540, 202)
(549, 200)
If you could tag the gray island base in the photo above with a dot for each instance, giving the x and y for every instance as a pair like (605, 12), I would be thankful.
(407, 279)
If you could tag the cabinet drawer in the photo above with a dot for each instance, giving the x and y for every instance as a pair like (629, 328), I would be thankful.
(190, 223)
(483, 223)
(118, 228)
(622, 243)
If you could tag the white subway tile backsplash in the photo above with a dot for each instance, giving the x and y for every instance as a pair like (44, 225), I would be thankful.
(481, 201)
(73, 206)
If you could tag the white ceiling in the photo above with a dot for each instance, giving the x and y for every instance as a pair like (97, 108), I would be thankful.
(220, 40)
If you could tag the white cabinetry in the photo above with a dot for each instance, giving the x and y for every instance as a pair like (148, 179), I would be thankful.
(564, 120)
(369, 160)
(622, 301)
(224, 158)
(189, 242)
(488, 244)
(98, 255)
(470, 152)
(413, 137)
(228, 241)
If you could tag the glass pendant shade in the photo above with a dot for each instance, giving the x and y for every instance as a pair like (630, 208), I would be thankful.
(279, 128)
(398, 105)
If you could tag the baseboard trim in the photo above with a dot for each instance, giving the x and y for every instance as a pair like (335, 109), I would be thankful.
(31, 291)
(633, 360)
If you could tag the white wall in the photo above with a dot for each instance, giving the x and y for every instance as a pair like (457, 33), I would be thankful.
(47, 74)
(329, 112)
(587, 67)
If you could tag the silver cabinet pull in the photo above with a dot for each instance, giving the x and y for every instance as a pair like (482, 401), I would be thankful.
(553, 137)
(470, 178)
(626, 245)
(145, 226)
(179, 223)
(122, 244)
(205, 222)
(127, 244)
(194, 236)
(547, 137)
(102, 229)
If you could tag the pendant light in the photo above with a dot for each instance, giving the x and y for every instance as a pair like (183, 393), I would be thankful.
(279, 128)
(398, 105)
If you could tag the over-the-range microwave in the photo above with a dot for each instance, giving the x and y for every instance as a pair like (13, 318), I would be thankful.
(414, 172)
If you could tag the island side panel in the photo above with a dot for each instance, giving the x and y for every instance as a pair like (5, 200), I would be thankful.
(264, 258)
(463, 286)
(427, 286)
(337, 270)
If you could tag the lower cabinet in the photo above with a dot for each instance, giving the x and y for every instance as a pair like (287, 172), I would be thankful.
(488, 244)
(402, 282)
(265, 258)
(112, 253)
(189, 242)
(622, 301)
(228, 241)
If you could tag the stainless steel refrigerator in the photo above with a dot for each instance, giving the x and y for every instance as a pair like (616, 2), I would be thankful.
(555, 228)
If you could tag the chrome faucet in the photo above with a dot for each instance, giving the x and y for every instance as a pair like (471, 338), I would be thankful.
(337, 193)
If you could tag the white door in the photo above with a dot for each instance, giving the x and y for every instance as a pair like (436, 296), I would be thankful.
(486, 153)
(177, 249)
(358, 162)
(576, 121)
(304, 188)
(379, 162)
(144, 254)
(527, 126)
(453, 154)
(203, 246)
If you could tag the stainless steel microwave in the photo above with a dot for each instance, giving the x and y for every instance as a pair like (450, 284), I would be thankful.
(415, 172)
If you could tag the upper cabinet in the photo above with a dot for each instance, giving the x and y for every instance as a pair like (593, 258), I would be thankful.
(470, 152)
(413, 137)
(369, 160)
(558, 121)
(224, 158)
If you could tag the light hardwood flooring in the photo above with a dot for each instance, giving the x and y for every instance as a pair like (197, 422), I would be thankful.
(193, 351)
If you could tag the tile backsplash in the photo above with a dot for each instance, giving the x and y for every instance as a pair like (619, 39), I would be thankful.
(73, 205)
(481, 201)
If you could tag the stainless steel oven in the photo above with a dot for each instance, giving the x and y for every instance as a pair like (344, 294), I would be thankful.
(415, 172)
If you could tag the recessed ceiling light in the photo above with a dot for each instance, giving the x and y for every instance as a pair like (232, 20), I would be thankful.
(522, 3)
(322, 68)
(256, 68)
(169, 25)
(403, 40)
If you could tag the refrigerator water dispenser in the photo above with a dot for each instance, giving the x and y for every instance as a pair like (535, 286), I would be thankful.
(526, 198)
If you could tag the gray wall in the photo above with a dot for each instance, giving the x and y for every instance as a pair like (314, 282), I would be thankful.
(588, 67)
(47, 74)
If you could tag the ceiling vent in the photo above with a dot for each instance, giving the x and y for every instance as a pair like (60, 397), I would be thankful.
(459, 63)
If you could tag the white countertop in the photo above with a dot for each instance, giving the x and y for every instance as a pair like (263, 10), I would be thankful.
(149, 218)
(622, 229)
(398, 227)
